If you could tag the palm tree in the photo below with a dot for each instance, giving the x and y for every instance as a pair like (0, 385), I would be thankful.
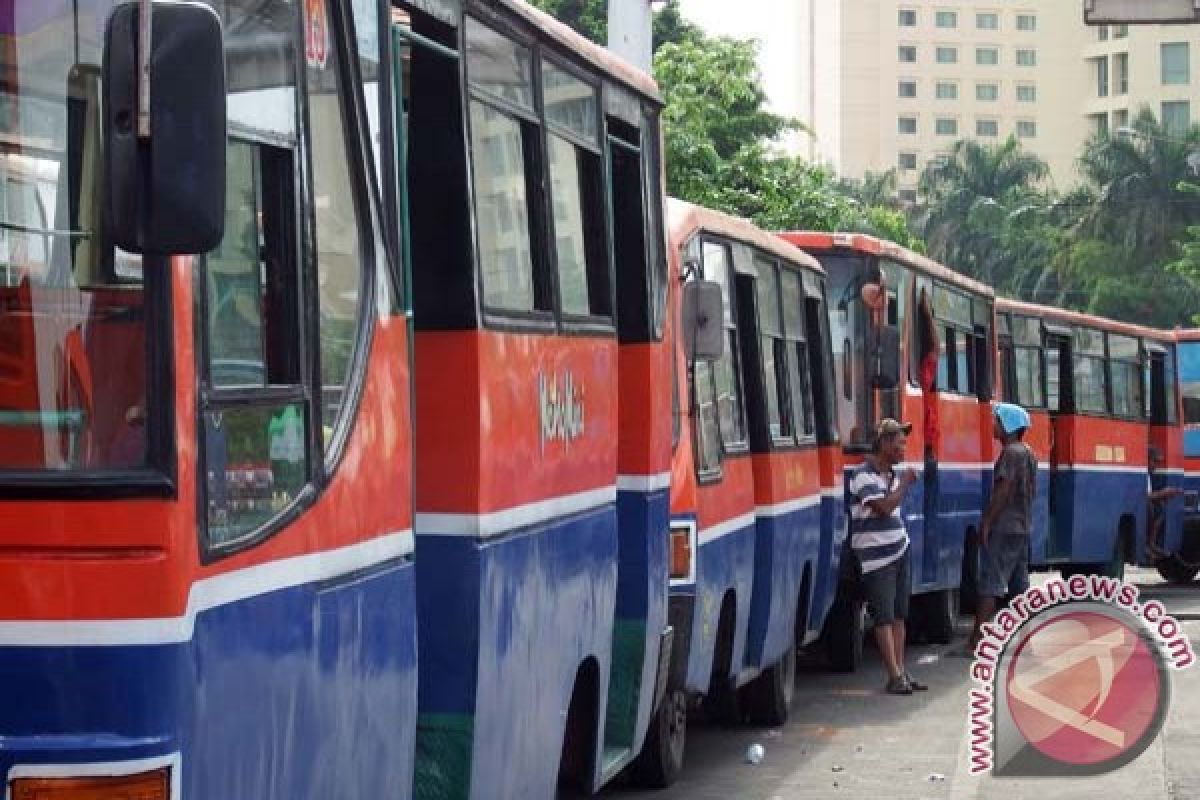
(874, 189)
(1137, 174)
(971, 197)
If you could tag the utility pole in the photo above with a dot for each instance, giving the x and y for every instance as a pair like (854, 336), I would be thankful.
(630, 31)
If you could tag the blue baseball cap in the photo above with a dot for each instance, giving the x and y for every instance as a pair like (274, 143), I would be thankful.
(1012, 417)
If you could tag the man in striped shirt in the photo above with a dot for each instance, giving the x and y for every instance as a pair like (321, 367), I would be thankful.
(880, 544)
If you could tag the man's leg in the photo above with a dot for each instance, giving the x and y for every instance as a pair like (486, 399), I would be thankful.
(985, 607)
(885, 637)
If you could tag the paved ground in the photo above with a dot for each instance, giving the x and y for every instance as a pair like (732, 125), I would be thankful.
(847, 739)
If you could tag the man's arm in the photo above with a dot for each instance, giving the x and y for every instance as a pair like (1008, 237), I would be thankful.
(1164, 494)
(887, 504)
(1002, 489)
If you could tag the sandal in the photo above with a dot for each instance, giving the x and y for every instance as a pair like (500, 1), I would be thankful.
(915, 684)
(898, 685)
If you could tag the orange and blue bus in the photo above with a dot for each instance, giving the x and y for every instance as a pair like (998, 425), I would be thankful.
(214, 466)
(884, 302)
(206, 462)
(1102, 395)
(756, 500)
(1185, 563)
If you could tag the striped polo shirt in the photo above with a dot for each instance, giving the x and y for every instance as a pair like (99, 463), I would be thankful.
(877, 541)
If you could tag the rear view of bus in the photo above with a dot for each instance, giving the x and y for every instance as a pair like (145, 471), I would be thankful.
(202, 596)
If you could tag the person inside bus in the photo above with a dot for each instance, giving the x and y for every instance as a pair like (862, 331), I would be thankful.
(1005, 525)
(1157, 495)
(879, 543)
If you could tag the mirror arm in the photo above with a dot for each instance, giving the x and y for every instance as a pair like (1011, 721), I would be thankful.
(145, 43)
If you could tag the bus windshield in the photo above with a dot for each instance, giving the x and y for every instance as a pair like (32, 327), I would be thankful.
(72, 322)
(848, 335)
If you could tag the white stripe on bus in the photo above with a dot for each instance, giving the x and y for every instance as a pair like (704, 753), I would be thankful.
(497, 523)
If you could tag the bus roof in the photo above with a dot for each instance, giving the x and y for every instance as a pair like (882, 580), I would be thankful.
(1004, 304)
(863, 243)
(599, 57)
(1187, 334)
(684, 217)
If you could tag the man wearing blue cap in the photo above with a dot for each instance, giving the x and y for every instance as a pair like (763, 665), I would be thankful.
(1005, 525)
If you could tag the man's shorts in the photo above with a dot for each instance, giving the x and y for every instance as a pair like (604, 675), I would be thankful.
(886, 590)
(1004, 565)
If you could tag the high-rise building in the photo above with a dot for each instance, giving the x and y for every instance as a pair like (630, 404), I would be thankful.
(885, 84)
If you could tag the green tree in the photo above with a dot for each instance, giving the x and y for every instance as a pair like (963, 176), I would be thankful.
(590, 18)
(1137, 179)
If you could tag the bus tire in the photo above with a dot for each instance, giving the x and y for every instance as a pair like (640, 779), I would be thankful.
(721, 702)
(1174, 570)
(661, 761)
(845, 629)
(768, 698)
(939, 619)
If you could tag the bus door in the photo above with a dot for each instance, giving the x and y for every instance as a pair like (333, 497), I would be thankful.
(1058, 401)
(1165, 439)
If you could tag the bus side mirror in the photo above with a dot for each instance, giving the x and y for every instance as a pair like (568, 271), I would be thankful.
(886, 374)
(702, 328)
(166, 190)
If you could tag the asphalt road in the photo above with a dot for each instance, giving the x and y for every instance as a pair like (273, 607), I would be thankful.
(848, 739)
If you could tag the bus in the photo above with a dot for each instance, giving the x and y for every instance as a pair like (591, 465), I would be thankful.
(542, 356)
(245, 489)
(203, 596)
(757, 519)
(884, 302)
(1102, 396)
(1182, 568)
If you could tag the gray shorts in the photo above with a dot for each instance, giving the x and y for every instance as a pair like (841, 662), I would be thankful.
(1004, 565)
(886, 590)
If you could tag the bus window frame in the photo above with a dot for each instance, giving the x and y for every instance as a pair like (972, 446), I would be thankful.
(322, 460)
(549, 321)
(1139, 365)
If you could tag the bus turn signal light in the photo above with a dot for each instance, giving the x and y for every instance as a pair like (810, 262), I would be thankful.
(681, 553)
(143, 786)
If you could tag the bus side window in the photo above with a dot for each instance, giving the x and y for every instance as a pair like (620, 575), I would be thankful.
(630, 244)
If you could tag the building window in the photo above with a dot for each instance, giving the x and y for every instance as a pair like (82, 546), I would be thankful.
(907, 54)
(1026, 128)
(907, 89)
(907, 18)
(907, 161)
(1026, 22)
(1027, 93)
(987, 56)
(946, 127)
(1120, 31)
(1176, 69)
(947, 19)
(947, 55)
(987, 127)
(1176, 117)
(1098, 123)
(1102, 33)
(1101, 76)
(1120, 119)
(987, 92)
(987, 21)
(906, 124)
(1121, 68)
(1027, 58)
(907, 196)
(947, 91)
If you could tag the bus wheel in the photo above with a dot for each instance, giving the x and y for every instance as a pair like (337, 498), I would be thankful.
(661, 760)
(845, 629)
(1174, 570)
(939, 617)
(768, 698)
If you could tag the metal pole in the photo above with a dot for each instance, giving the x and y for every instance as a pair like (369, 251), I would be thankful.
(145, 41)
(630, 31)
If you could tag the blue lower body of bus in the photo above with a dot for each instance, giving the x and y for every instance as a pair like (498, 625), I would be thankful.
(514, 625)
(303, 692)
(786, 554)
(1089, 512)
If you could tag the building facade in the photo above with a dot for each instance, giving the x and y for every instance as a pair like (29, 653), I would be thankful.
(893, 84)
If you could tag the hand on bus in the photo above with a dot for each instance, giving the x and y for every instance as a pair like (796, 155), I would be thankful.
(908, 477)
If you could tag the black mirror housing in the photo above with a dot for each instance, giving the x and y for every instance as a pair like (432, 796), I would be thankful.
(887, 358)
(166, 193)
(702, 325)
